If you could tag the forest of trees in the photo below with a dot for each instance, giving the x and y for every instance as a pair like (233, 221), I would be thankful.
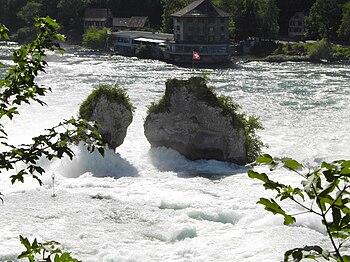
(250, 18)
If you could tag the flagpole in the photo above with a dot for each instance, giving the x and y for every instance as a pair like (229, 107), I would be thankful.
(192, 59)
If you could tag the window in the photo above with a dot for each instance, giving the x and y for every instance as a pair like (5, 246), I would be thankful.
(222, 29)
(190, 19)
(201, 20)
(178, 28)
(222, 20)
(211, 29)
(211, 20)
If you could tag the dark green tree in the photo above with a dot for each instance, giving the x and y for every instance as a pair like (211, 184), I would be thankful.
(30, 10)
(170, 7)
(252, 18)
(26, 14)
(344, 29)
(96, 39)
(268, 16)
(323, 20)
(245, 15)
(69, 15)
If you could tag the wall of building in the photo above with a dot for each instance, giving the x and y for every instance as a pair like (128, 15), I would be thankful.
(201, 29)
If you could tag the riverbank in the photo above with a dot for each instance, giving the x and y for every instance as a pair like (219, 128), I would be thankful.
(319, 51)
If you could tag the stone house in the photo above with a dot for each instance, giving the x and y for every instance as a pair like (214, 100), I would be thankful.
(296, 27)
(203, 28)
(201, 22)
(97, 18)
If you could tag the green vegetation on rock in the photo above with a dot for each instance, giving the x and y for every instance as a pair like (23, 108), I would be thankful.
(250, 123)
(321, 50)
(111, 92)
(230, 108)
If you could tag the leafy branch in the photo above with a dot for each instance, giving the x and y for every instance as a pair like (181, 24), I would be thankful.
(327, 186)
(19, 87)
(45, 252)
(55, 144)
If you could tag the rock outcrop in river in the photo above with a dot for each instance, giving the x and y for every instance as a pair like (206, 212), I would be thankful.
(193, 121)
(110, 107)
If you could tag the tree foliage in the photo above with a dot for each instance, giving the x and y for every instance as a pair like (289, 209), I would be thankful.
(323, 20)
(269, 18)
(28, 11)
(95, 38)
(344, 28)
(46, 252)
(250, 18)
(324, 192)
(19, 87)
(321, 50)
(170, 7)
(253, 18)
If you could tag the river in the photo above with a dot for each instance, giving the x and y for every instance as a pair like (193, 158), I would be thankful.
(143, 204)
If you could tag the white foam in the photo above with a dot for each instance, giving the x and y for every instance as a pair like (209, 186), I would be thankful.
(142, 204)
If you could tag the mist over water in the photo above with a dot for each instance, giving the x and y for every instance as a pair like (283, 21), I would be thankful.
(143, 204)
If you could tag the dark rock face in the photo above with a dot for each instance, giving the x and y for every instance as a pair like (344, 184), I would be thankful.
(191, 120)
(114, 119)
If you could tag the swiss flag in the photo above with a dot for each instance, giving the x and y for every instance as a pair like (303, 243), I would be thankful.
(196, 56)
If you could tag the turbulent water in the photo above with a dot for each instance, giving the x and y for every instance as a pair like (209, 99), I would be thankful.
(143, 204)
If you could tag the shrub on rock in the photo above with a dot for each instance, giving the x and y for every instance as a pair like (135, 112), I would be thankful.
(110, 107)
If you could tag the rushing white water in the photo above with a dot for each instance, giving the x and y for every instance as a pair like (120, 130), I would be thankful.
(143, 204)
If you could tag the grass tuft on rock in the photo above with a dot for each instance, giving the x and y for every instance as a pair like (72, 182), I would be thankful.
(111, 92)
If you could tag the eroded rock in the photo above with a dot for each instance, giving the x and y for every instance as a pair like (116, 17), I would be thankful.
(110, 107)
(191, 119)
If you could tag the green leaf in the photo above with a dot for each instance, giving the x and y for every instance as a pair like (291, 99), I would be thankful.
(265, 159)
(325, 200)
(327, 166)
(312, 252)
(328, 189)
(345, 171)
(292, 164)
(272, 206)
(345, 258)
(261, 176)
(25, 242)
